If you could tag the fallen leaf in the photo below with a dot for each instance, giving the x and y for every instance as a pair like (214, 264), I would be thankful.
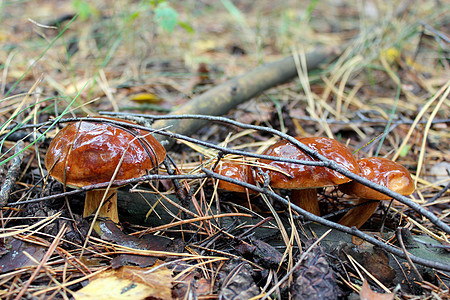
(146, 98)
(204, 46)
(128, 282)
(366, 293)
(15, 258)
(111, 232)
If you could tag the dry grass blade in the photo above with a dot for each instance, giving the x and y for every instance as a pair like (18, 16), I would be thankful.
(182, 222)
(358, 265)
(16, 231)
(44, 260)
(444, 97)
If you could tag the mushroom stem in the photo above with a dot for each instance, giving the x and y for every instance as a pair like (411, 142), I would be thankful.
(109, 207)
(359, 215)
(306, 199)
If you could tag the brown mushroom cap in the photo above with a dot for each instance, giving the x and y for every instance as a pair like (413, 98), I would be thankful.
(384, 172)
(238, 171)
(85, 153)
(309, 176)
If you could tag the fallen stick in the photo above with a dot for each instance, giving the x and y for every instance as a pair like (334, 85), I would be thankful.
(11, 176)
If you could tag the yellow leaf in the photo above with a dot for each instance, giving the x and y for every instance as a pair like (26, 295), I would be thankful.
(128, 282)
(145, 98)
(204, 45)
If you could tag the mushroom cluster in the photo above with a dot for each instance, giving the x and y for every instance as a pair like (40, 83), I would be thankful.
(87, 153)
(303, 180)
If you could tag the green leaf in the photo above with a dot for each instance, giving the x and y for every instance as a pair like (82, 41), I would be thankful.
(166, 17)
(405, 150)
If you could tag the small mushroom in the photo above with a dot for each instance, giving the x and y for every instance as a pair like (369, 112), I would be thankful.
(86, 153)
(383, 172)
(238, 171)
(304, 180)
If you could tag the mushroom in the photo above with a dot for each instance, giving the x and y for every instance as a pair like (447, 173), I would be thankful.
(379, 170)
(238, 171)
(304, 180)
(86, 153)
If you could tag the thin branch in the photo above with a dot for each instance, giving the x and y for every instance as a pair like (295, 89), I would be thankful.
(402, 245)
(439, 194)
(326, 162)
(12, 174)
(323, 161)
(115, 183)
(199, 142)
(352, 231)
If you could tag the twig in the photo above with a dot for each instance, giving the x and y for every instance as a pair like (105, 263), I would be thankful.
(322, 160)
(439, 194)
(114, 184)
(326, 162)
(43, 261)
(207, 144)
(352, 231)
(400, 240)
(12, 174)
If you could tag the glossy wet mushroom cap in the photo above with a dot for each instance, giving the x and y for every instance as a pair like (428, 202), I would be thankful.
(238, 171)
(384, 172)
(379, 170)
(86, 153)
(306, 179)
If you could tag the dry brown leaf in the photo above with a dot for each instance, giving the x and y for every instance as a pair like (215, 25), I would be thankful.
(13, 254)
(366, 293)
(128, 282)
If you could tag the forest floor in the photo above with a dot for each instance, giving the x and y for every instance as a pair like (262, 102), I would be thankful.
(378, 81)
